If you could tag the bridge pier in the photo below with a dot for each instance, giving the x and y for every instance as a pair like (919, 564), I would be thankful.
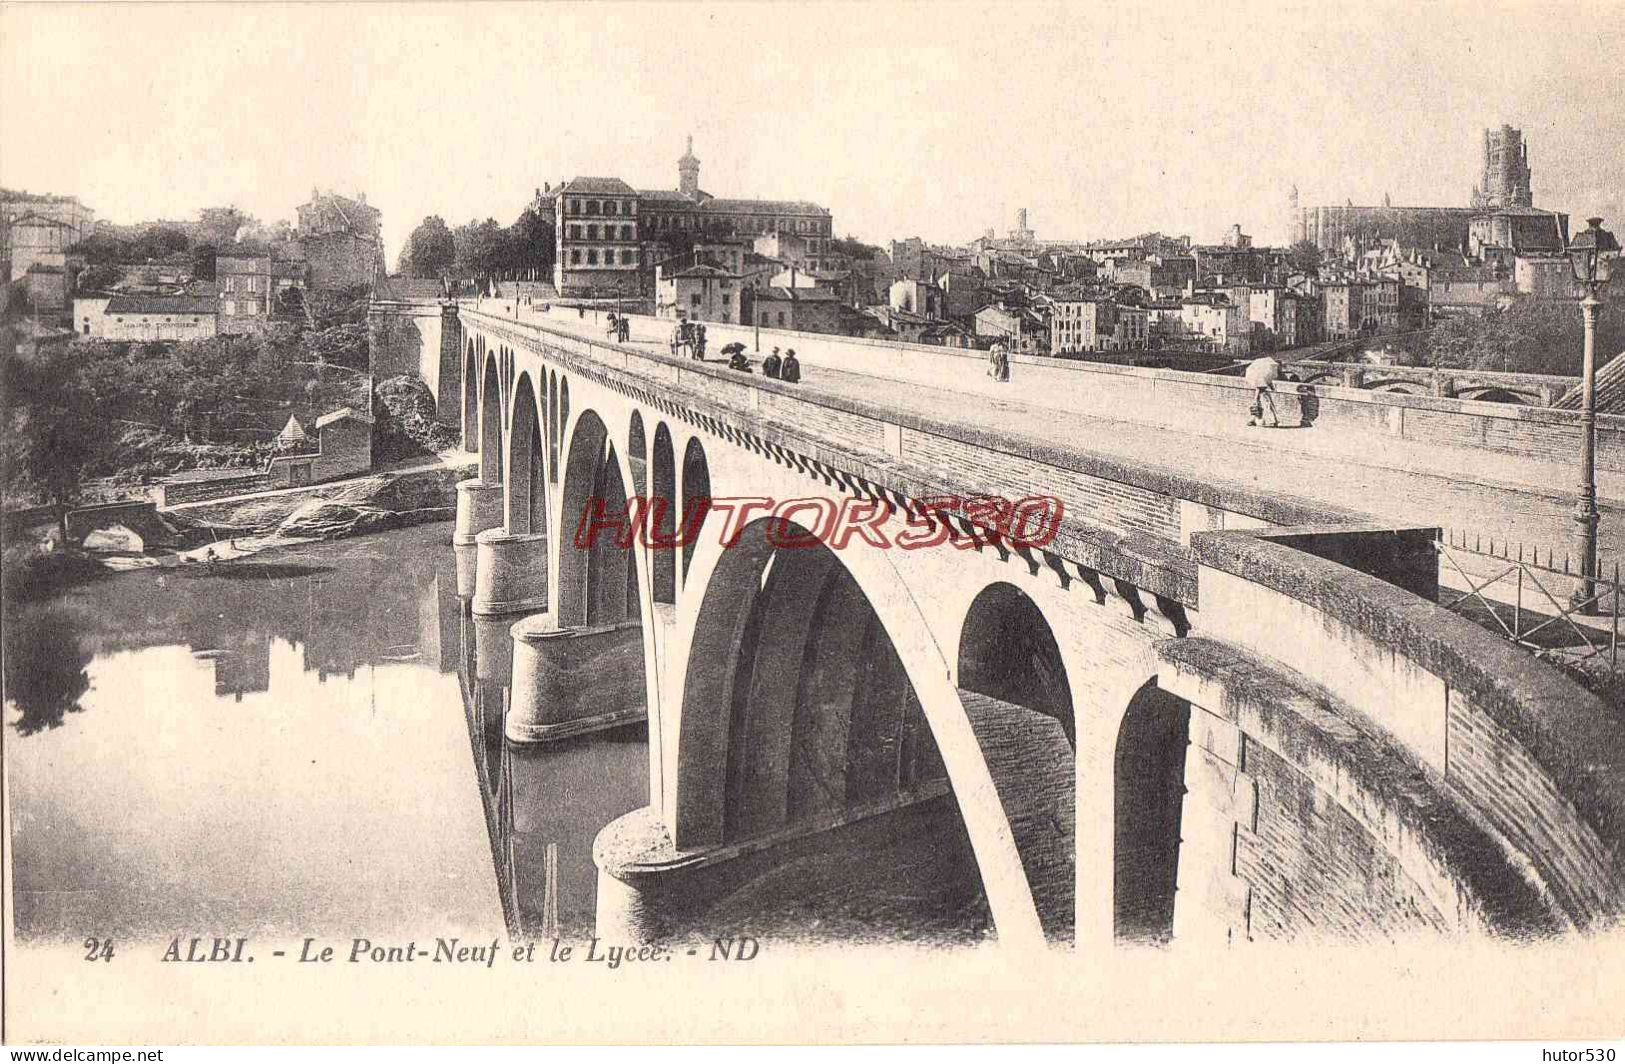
(573, 680)
(479, 507)
(864, 867)
(510, 573)
(467, 556)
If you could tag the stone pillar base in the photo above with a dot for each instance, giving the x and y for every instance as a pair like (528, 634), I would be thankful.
(465, 553)
(493, 650)
(649, 890)
(479, 507)
(510, 574)
(570, 681)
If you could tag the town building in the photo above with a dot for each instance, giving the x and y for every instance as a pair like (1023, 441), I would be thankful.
(597, 246)
(1545, 277)
(340, 241)
(802, 310)
(1213, 319)
(922, 298)
(1470, 290)
(1021, 327)
(247, 291)
(145, 316)
(698, 293)
(36, 228)
(1082, 322)
(1164, 277)
(1519, 230)
(1301, 321)
(1343, 302)
(804, 252)
(602, 225)
(342, 447)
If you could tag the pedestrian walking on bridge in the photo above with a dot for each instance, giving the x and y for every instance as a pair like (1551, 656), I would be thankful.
(771, 365)
(790, 372)
(1262, 373)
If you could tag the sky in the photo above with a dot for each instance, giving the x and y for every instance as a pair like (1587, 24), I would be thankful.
(938, 120)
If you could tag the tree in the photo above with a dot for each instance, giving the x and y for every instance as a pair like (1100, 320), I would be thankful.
(203, 263)
(99, 278)
(531, 242)
(480, 247)
(1529, 336)
(430, 249)
(1305, 256)
(854, 249)
(53, 429)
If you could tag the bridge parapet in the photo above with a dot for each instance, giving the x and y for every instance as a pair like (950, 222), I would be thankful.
(1522, 751)
(1447, 409)
(1124, 523)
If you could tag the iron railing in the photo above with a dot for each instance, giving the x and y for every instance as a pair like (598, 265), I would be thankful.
(1513, 589)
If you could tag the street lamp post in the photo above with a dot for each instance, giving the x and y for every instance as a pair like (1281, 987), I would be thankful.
(1591, 254)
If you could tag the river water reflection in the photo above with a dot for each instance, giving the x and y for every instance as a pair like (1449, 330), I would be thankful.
(282, 747)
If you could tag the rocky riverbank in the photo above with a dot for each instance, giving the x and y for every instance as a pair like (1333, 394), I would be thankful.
(327, 511)
(222, 530)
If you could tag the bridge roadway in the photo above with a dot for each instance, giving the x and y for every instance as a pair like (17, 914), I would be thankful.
(1480, 493)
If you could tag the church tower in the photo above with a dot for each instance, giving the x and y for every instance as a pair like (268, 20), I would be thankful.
(688, 171)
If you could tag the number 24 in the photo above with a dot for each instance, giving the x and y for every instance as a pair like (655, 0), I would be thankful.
(97, 948)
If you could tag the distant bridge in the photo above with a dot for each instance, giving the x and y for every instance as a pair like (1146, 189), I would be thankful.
(1204, 711)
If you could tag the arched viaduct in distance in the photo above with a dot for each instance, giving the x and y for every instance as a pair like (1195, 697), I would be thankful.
(1196, 714)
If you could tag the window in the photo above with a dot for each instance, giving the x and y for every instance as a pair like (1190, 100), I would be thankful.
(592, 232)
(575, 206)
(781, 317)
(592, 206)
(695, 299)
(614, 206)
(575, 232)
(231, 307)
(575, 256)
(592, 256)
(626, 232)
(231, 284)
(628, 258)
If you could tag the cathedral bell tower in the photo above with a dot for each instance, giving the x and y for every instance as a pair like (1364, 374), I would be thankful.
(688, 171)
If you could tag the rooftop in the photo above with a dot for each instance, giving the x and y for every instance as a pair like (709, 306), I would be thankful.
(160, 304)
(612, 185)
(339, 415)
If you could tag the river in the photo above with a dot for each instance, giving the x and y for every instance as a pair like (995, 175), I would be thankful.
(282, 747)
(309, 742)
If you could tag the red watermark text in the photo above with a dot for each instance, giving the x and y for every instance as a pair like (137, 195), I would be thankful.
(797, 524)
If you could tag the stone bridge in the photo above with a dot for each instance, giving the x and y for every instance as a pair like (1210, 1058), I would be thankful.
(1200, 712)
(1529, 389)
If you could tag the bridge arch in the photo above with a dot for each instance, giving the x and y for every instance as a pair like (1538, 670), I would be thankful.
(1498, 395)
(553, 429)
(471, 399)
(598, 578)
(526, 480)
(810, 690)
(696, 495)
(1008, 651)
(663, 496)
(1148, 792)
(490, 423)
(637, 455)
